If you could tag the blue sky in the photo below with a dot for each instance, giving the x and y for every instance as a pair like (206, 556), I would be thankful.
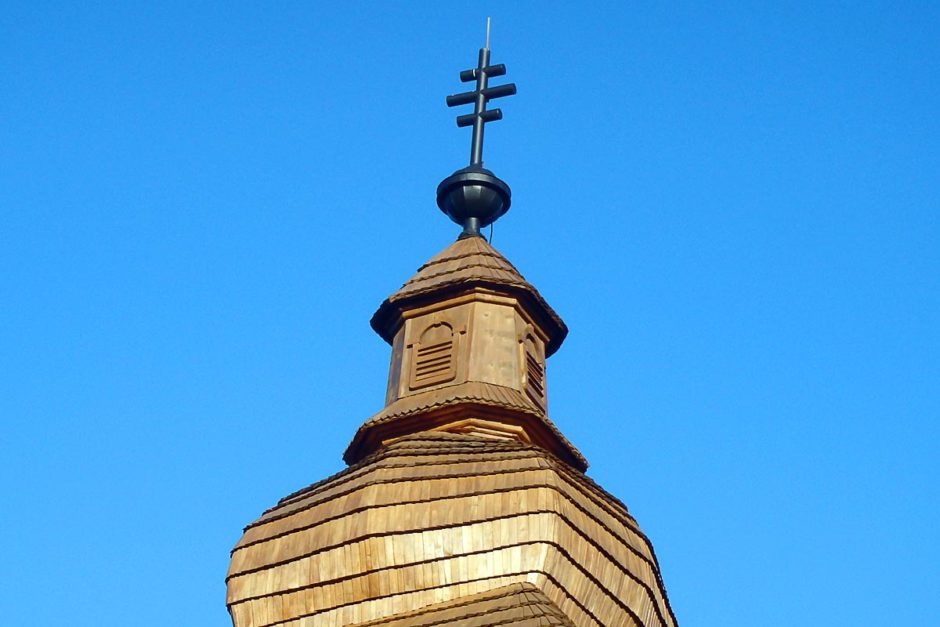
(734, 207)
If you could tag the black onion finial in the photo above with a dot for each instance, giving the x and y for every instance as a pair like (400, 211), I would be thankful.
(473, 196)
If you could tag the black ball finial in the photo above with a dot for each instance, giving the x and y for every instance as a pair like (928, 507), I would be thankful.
(473, 197)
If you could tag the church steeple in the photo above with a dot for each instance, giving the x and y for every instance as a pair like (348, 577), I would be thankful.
(462, 503)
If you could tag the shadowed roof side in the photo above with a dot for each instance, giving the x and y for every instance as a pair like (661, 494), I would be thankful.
(519, 604)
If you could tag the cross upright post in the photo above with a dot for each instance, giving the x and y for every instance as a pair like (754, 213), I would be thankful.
(479, 108)
(480, 97)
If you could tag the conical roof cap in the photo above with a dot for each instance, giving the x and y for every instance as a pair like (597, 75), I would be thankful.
(466, 264)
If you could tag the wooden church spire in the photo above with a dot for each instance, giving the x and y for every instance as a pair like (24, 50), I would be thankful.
(462, 503)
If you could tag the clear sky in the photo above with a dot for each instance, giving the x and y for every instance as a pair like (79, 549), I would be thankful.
(734, 206)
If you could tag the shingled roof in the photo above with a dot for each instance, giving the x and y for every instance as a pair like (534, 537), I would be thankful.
(436, 517)
(466, 264)
(470, 394)
(518, 605)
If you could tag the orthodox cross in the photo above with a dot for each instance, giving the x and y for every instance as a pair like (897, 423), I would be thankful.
(479, 97)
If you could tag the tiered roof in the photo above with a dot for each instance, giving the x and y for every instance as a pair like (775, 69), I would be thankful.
(428, 410)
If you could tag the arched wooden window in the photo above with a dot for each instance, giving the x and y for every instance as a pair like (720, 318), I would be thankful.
(533, 371)
(433, 357)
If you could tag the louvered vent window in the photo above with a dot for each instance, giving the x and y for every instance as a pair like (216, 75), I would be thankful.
(433, 358)
(534, 373)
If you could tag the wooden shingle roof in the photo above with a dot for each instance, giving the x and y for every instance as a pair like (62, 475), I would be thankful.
(470, 396)
(467, 263)
(434, 518)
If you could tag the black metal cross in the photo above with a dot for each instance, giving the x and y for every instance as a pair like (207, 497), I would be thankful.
(480, 96)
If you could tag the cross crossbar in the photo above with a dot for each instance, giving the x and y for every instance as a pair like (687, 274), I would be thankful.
(480, 97)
